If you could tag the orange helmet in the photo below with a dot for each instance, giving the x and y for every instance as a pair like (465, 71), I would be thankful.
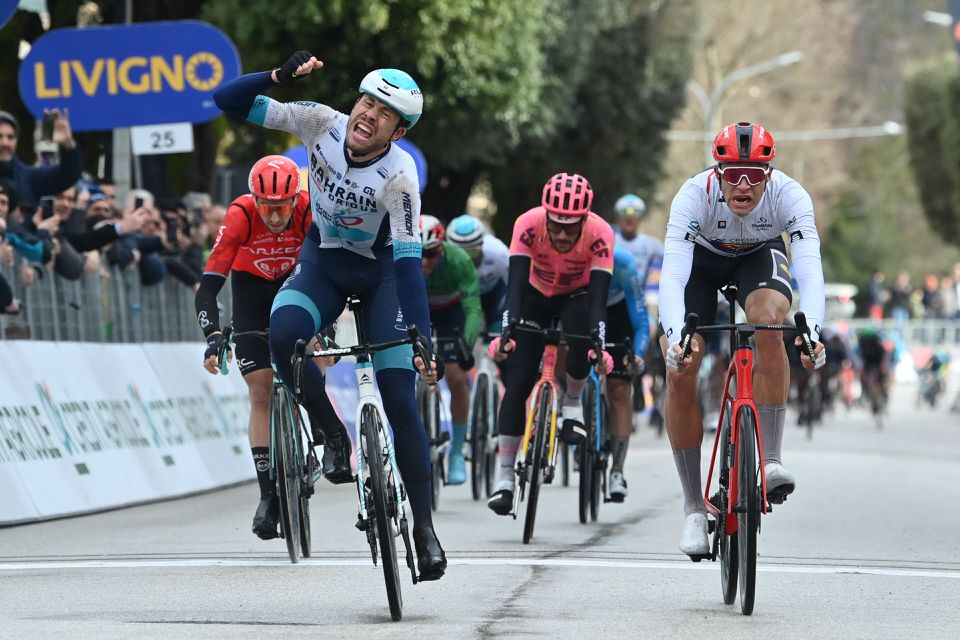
(274, 178)
(744, 142)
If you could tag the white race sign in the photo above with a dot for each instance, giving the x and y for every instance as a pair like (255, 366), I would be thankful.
(162, 138)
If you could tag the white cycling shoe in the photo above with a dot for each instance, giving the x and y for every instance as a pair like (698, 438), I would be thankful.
(694, 541)
(572, 430)
(780, 482)
(618, 487)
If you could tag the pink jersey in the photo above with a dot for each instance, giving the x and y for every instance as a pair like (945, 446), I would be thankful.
(553, 273)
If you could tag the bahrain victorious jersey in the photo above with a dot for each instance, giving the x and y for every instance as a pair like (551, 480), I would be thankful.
(244, 243)
(553, 273)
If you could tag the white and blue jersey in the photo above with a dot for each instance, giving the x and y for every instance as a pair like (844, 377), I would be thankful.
(627, 286)
(647, 252)
(492, 275)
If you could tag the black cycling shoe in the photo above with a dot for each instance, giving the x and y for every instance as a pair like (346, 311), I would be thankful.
(501, 502)
(573, 432)
(431, 560)
(336, 459)
(267, 517)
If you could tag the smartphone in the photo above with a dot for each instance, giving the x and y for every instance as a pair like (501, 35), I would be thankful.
(46, 125)
(137, 203)
(172, 227)
(46, 204)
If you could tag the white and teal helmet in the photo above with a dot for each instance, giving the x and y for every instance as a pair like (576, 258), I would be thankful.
(397, 90)
(630, 206)
(465, 231)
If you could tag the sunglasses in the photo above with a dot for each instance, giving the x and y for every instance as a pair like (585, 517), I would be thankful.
(433, 254)
(734, 174)
(566, 229)
(268, 207)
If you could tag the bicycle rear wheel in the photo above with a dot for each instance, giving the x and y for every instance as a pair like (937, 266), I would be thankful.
(478, 437)
(727, 543)
(585, 453)
(493, 453)
(539, 445)
(287, 471)
(748, 508)
(384, 501)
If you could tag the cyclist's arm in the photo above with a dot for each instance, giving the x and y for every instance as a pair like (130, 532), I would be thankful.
(242, 97)
(805, 250)
(470, 301)
(518, 270)
(402, 202)
(637, 309)
(601, 272)
(229, 238)
(682, 231)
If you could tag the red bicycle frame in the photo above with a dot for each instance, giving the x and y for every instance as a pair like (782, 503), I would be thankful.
(741, 366)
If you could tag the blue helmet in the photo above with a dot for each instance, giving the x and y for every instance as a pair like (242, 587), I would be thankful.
(397, 90)
(465, 231)
(630, 205)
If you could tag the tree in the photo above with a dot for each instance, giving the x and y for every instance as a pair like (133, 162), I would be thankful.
(933, 124)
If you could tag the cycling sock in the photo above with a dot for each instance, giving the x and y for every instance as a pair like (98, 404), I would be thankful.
(574, 388)
(507, 446)
(261, 460)
(773, 417)
(618, 453)
(459, 435)
(688, 467)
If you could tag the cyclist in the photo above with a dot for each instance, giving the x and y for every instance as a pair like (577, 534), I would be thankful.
(875, 363)
(364, 240)
(257, 247)
(626, 318)
(725, 224)
(454, 310)
(561, 261)
(491, 258)
(630, 210)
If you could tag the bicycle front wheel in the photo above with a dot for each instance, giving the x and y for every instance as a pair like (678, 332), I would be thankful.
(585, 454)
(748, 508)
(384, 507)
(539, 459)
(599, 437)
(306, 468)
(478, 437)
(287, 470)
(726, 542)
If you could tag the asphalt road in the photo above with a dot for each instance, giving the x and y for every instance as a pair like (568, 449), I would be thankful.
(866, 548)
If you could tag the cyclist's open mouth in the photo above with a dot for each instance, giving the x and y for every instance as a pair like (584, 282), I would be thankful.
(362, 132)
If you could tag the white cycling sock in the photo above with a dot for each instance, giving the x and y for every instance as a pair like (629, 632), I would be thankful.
(773, 417)
(507, 446)
(688, 467)
(574, 389)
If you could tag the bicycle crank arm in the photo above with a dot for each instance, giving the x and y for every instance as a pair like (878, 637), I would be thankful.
(411, 563)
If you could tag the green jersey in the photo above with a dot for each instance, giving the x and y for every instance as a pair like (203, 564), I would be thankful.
(455, 282)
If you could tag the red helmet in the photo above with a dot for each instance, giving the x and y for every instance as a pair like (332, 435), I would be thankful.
(274, 178)
(744, 142)
(567, 197)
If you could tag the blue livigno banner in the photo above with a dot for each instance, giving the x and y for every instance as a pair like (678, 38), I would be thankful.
(128, 75)
(7, 9)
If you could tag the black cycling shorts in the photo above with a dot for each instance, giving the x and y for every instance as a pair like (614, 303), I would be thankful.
(252, 300)
(764, 268)
(448, 323)
(619, 329)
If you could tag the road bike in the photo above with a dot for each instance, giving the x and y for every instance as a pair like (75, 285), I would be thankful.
(484, 409)
(741, 496)
(381, 496)
(593, 455)
(293, 462)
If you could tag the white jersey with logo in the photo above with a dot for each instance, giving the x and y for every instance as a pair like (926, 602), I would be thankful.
(494, 265)
(700, 215)
(361, 207)
(645, 250)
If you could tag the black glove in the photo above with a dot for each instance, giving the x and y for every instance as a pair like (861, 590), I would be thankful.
(422, 349)
(285, 72)
(438, 362)
(467, 361)
(215, 342)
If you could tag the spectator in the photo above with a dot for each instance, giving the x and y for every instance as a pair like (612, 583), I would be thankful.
(900, 297)
(932, 302)
(32, 183)
(33, 246)
(180, 253)
(948, 294)
(877, 295)
(140, 250)
(99, 228)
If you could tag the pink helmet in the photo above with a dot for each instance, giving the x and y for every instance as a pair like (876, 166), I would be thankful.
(567, 198)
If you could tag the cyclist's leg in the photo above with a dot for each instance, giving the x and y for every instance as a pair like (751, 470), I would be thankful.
(620, 400)
(574, 316)
(765, 294)
(307, 302)
(447, 323)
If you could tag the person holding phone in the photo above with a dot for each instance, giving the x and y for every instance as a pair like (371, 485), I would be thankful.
(33, 183)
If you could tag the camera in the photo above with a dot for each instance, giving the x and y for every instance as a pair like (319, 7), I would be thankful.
(46, 126)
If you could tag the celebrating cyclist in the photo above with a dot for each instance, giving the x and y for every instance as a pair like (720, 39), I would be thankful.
(561, 260)
(491, 258)
(454, 311)
(725, 225)
(626, 322)
(364, 240)
(257, 246)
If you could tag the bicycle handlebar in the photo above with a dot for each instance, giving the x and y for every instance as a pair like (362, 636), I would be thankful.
(800, 327)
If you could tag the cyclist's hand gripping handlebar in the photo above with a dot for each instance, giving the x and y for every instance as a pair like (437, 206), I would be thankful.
(675, 360)
(427, 358)
(805, 345)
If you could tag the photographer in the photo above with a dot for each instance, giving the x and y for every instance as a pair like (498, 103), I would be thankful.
(32, 183)
(140, 249)
(183, 257)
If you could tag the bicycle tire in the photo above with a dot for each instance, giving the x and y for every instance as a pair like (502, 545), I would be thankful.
(288, 483)
(727, 543)
(382, 496)
(598, 486)
(478, 437)
(493, 456)
(429, 423)
(539, 444)
(585, 454)
(748, 516)
(564, 463)
(305, 480)
(439, 471)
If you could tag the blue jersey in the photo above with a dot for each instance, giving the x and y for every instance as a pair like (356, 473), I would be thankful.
(627, 284)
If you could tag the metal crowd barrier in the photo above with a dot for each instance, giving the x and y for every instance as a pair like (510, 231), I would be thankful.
(112, 306)
(944, 332)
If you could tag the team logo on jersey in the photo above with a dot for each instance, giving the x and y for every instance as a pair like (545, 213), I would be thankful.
(761, 223)
(274, 267)
(382, 172)
(527, 237)
(335, 134)
(722, 224)
(220, 233)
(796, 235)
(694, 226)
(792, 221)
(600, 248)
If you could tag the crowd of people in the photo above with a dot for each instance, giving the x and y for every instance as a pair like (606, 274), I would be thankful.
(935, 297)
(56, 218)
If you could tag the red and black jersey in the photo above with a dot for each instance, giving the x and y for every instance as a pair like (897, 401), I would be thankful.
(244, 243)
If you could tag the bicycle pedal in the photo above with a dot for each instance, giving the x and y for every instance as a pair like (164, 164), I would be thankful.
(697, 557)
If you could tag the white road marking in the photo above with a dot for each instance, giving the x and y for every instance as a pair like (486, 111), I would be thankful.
(67, 565)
